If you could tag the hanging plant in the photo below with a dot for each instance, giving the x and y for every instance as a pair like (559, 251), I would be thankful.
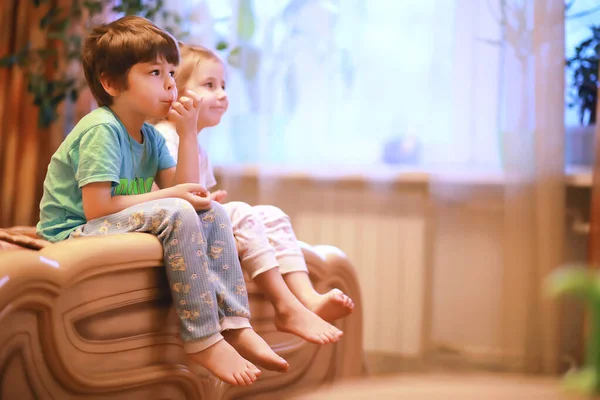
(50, 90)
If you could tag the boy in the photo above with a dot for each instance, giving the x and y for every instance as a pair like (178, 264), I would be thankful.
(99, 182)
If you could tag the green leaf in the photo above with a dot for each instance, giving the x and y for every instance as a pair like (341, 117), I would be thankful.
(582, 381)
(245, 23)
(57, 36)
(48, 18)
(574, 281)
(234, 57)
(222, 45)
(57, 99)
(38, 3)
(47, 115)
(7, 61)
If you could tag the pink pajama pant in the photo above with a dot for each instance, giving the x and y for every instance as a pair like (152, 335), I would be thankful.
(265, 239)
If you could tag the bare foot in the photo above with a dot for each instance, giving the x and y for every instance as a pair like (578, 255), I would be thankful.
(330, 306)
(251, 346)
(302, 322)
(226, 364)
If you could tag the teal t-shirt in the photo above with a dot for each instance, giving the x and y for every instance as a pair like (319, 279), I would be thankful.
(98, 149)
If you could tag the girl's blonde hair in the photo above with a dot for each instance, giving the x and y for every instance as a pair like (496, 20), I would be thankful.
(191, 57)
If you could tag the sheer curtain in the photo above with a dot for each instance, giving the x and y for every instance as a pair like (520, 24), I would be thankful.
(523, 210)
(468, 93)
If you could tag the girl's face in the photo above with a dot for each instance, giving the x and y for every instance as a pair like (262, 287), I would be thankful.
(208, 81)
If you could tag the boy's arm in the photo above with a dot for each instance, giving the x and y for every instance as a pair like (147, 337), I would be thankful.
(97, 168)
(98, 202)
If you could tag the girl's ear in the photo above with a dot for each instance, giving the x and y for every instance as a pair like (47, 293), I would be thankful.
(109, 86)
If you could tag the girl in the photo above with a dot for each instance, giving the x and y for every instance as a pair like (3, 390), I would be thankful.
(266, 242)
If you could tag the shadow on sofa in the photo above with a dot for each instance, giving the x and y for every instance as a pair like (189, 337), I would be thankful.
(87, 319)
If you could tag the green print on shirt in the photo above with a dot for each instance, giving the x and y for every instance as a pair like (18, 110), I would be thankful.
(134, 186)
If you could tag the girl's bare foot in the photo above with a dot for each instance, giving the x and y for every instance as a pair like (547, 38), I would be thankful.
(251, 346)
(330, 306)
(226, 364)
(302, 322)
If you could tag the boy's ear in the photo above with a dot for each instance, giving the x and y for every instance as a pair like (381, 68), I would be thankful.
(109, 86)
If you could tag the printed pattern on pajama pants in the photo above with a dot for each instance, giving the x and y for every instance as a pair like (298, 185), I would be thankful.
(265, 239)
(200, 258)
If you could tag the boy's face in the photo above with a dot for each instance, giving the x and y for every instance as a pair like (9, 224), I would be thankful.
(208, 81)
(151, 88)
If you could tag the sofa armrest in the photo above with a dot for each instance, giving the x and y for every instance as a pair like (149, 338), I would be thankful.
(329, 268)
(88, 318)
(81, 258)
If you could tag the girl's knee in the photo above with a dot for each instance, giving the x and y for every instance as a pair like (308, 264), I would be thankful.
(238, 206)
(270, 212)
(237, 210)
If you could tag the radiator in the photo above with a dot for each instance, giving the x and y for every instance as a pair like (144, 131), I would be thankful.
(383, 231)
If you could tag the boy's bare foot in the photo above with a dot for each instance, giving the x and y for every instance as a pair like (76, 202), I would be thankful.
(302, 322)
(226, 364)
(330, 306)
(251, 346)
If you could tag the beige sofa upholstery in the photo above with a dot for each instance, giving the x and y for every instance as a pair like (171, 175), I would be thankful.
(87, 319)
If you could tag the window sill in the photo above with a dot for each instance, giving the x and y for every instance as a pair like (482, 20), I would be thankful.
(575, 176)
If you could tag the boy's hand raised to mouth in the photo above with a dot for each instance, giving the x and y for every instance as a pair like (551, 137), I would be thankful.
(184, 114)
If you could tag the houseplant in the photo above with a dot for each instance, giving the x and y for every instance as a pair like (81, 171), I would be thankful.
(66, 27)
(584, 283)
(582, 68)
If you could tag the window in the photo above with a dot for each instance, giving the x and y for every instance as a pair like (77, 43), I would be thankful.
(360, 83)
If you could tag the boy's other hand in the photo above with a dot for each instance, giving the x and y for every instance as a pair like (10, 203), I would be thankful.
(184, 114)
(193, 193)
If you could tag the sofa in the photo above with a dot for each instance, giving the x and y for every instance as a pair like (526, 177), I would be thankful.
(87, 319)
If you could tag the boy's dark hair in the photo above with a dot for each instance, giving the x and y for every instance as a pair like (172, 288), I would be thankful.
(110, 50)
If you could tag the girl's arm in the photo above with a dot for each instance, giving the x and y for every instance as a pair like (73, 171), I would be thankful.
(187, 169)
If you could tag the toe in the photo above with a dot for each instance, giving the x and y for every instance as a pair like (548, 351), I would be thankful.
(238, 379)
(282, 363)
(331, 337)
(322, 338)
(249, 377)
(254, 370)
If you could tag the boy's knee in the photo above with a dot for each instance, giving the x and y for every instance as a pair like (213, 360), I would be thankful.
(218, 209)
(176, 207)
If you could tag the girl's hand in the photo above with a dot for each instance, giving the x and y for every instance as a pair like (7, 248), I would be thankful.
(218, 196)
(193, 193)
(184, 114)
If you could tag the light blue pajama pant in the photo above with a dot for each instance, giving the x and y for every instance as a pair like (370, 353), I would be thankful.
(201, 262)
